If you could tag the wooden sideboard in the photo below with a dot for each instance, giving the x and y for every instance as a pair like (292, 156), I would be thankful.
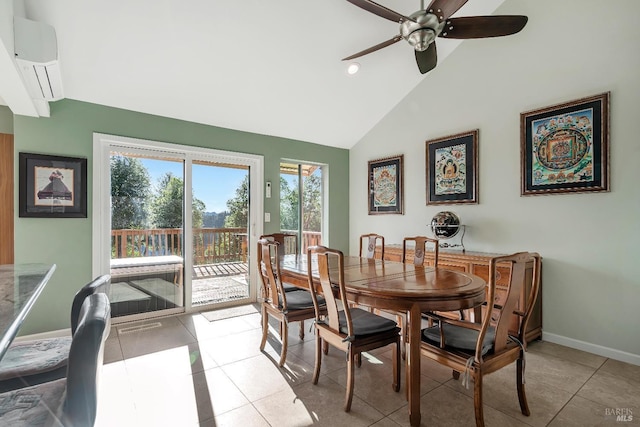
(478, 263)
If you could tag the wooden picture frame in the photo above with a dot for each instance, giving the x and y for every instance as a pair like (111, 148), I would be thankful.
(452, 169)
(385, 185)
(52, 186)
(564, 148)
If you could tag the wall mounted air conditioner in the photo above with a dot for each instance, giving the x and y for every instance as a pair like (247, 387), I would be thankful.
(36, 51)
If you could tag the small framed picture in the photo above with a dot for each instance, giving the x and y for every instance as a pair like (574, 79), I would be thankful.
(52, 186)
(386, 186)
(564, 148)
(452, 169)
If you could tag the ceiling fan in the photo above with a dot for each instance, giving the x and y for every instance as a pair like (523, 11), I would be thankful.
(422, 27)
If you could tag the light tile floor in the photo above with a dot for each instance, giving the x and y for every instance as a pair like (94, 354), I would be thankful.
(188, 371)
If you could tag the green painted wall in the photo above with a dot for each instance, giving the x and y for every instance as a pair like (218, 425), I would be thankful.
(6, 120)
(67, 242)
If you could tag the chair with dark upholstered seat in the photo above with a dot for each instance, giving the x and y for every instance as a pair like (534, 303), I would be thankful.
(70, 401)
(370, 245)
(283, 306)
(351, 330)
(478, 349)
(36, 361)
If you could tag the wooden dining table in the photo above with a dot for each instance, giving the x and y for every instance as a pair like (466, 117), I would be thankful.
(400, 287)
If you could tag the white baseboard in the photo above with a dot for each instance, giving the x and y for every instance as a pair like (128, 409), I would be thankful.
(611, 353)
(44, 335)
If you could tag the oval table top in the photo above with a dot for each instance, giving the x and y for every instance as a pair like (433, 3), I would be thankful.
(397, 285)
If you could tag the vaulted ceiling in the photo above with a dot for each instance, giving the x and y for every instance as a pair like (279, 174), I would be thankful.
(269, 67)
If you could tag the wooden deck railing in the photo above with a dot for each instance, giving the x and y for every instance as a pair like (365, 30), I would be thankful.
(309, 238)
(210, 245)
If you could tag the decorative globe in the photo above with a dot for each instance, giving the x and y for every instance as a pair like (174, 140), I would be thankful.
(445, 225)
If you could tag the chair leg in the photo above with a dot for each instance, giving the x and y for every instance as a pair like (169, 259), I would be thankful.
(396, 367)
(477, 400)
(316, 370)
(359, 359)
(350, 379)
(265, 328)
(301, 330)
(325, 347)
(404, 327)
(455, 374)
(285, 339)
(406, 383)
(522, 397)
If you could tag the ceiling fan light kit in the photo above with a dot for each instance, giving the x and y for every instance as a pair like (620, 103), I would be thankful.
(421, 28)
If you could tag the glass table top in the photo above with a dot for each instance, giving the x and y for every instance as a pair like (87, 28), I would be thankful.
(20, 286)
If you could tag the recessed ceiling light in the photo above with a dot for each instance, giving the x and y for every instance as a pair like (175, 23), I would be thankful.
(353, 68)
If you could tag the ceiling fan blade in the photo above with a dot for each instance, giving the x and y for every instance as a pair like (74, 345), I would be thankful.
(374, 48)
(443, 9)
(427, 59)
(476, 27)
(378, 9)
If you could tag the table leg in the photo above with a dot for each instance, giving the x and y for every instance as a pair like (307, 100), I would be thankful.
(413, 365)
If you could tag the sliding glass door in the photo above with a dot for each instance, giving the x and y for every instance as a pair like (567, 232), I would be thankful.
(147, 256)
(178, 225)
(220, 233)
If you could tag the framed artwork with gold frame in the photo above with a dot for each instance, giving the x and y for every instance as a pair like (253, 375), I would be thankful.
(386, 186)
(564, 148)
(452, 169)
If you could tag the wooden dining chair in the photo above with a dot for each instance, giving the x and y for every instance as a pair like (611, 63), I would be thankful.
(477, 349)
(351, 330)
(421, 247)
(283, 306)
(70, 401)
(370, 245)
(368, 250)
(32, 362)
(287, 244)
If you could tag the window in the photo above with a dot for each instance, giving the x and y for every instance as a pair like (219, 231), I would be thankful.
(302, 202)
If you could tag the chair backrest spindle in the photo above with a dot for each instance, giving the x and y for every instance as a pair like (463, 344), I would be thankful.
(421, 243)
(269, 269)
(327, 286)
(287, 242)
(371, 240)
(500, 315)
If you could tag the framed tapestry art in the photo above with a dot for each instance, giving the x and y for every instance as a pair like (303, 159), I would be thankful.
(385, 186)
(452, 169)
(565, 148)
(52, 186)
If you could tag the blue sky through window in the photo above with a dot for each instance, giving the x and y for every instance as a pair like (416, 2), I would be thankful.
(214, 185)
